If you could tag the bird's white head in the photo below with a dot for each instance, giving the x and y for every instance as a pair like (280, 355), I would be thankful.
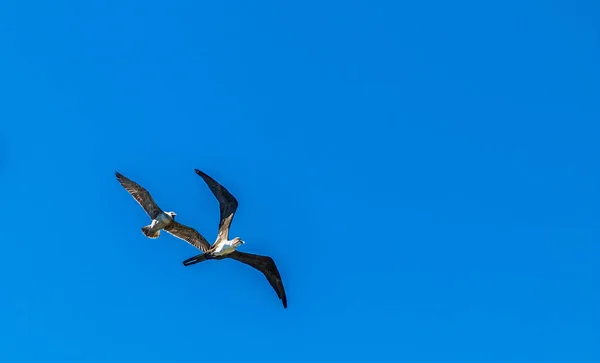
(237, 241)
(171, 214)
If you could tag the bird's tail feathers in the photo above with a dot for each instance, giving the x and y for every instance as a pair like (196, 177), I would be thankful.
(196, 259)
(148, 232)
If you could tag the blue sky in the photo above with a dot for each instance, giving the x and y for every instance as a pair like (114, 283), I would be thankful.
(425, 175)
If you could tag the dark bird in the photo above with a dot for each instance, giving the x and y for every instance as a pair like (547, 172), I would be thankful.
(225, 248)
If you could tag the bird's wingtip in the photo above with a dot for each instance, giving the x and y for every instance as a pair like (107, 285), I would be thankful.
(120, 177)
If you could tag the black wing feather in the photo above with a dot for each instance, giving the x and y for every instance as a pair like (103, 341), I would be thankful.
(227, 203)
(267, 266)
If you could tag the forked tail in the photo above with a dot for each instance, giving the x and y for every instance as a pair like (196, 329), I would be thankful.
(193, 260)
(148, 232)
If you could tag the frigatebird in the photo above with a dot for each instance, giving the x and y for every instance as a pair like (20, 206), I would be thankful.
(225, 248)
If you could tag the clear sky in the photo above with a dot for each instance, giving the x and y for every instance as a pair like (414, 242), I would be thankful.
(425, 174)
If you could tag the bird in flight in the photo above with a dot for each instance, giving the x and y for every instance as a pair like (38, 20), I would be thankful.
(160, 219)
(225, 248)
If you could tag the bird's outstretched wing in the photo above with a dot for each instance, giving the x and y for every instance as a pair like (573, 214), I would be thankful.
(227, 204)
(267, 266)
(188, 234)
(140, 194)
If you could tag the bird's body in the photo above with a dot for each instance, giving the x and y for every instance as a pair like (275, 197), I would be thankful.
(162, 220)
(225, 247)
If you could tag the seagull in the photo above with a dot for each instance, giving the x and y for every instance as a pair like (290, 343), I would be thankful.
(160, 219)
(223, 247)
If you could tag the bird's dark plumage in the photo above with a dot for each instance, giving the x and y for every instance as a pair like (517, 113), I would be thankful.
(267, 266)
(189, 235)
(227, 203)
(228, 206)
(264, 264)
(141, 195)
